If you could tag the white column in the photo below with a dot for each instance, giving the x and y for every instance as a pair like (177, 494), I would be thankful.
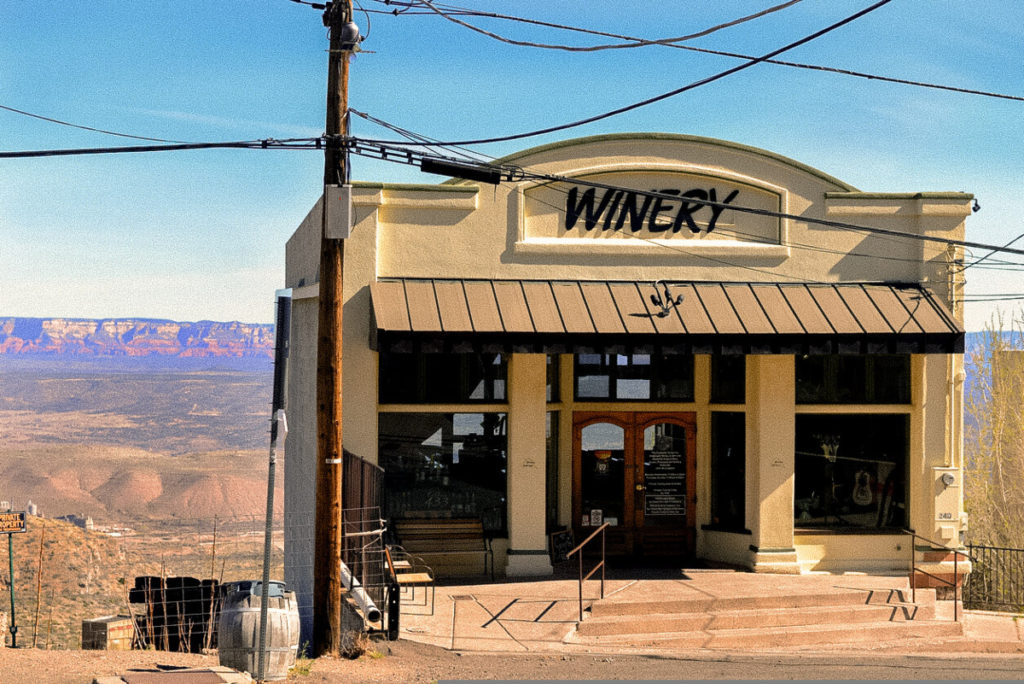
(527, 406)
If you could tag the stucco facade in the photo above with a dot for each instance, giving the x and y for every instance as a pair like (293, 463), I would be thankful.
(427, 237)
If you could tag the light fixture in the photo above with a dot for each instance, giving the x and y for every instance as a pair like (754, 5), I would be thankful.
(664, 300)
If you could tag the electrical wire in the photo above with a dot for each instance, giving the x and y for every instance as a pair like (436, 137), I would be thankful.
(368, 27)
(268, 143)
(86, 128)
(353, 146)
(683, 249)
(610, 46)
(428, 143)
(683, 89)
(722, 53)
(401, 153)
(740, 235)
(975, 263)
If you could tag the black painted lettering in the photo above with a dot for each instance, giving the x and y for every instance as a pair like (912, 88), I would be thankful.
(717, 211)
(688, 209)
(612, 206)
(574, 209)
(616, 207)
(661, 206)
(635, 215)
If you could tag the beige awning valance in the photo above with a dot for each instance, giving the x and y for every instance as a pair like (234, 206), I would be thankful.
(556, 316)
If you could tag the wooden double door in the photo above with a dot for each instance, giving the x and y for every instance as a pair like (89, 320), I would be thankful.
(635, 470)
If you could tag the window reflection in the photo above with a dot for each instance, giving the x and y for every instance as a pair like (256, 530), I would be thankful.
(445, 465)
(851, 471)
(634, 377)
(441, 378)
(853, 379)
(602, 462)
(728, 470)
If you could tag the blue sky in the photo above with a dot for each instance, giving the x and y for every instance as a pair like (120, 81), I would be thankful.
(200, 235)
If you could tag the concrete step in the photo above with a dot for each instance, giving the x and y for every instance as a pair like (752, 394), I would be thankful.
(742, 619)
(780, 637)
(703, 604)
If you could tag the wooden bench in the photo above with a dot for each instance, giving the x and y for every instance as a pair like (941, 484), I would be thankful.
(445, 537)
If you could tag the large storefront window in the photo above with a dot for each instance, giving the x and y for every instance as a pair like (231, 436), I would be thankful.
(634, 377)
(445, 465)
(851, 471)
(442, 378)
(839, 379)
(728, 470)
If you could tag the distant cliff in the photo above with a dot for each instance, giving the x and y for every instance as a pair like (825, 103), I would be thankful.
(137, 337)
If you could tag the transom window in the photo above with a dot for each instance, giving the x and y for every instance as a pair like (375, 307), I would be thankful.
(853, 379)
(633, 377)
(442, 378)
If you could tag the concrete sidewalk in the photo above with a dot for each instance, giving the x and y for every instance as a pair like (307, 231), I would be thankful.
(540, 616)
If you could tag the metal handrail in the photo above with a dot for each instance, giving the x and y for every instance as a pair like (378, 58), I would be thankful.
(600, 530)
(393, 596)
(957, 590)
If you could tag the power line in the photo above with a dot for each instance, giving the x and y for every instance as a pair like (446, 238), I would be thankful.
(268, 143)
(612, 46)
(85, 128)
(640, 42)
(400, 153)
(678, 91)
(431, 144)
(378, 150)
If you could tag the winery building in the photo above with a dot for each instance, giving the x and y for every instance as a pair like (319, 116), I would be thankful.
(751, 381)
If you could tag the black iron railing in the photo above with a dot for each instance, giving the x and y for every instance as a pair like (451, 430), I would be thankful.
(914, 570)
(600, 566)
(393, 596)
(996, 581)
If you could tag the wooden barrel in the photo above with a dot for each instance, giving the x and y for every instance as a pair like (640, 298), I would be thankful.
(238, 633)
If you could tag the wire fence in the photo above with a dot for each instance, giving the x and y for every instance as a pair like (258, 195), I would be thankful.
(164, 578)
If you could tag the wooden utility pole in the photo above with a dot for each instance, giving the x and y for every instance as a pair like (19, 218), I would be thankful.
(327, 538)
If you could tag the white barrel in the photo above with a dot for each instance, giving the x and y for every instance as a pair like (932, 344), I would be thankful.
(238, 633)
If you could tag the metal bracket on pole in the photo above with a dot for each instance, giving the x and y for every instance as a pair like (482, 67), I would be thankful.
(338, 205)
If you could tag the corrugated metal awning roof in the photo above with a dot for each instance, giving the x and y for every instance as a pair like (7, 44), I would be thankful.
(566, 316)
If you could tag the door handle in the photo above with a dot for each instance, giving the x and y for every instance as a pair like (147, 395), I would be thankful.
(640, 488)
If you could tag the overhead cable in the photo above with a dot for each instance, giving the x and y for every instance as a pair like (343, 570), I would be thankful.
(86, 128)
(269, 143)
(640, 42)
(678, 91)
(631, 43)
(403, 154)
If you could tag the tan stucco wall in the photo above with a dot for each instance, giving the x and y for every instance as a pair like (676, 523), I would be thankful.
(460, 230)
(527, 539)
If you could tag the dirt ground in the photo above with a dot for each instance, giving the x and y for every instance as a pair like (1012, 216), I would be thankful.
(408, 661)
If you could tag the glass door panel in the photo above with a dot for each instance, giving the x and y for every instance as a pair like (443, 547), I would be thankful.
(602, 474)
(664, 474)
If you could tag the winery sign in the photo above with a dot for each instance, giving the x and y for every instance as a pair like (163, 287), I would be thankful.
(667, 210)
(614, 209)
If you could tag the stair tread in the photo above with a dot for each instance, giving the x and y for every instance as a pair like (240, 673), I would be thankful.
(708, 604)
(865, 607)
(911, 627)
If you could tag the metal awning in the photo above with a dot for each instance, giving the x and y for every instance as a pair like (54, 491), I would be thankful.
(558, 316)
